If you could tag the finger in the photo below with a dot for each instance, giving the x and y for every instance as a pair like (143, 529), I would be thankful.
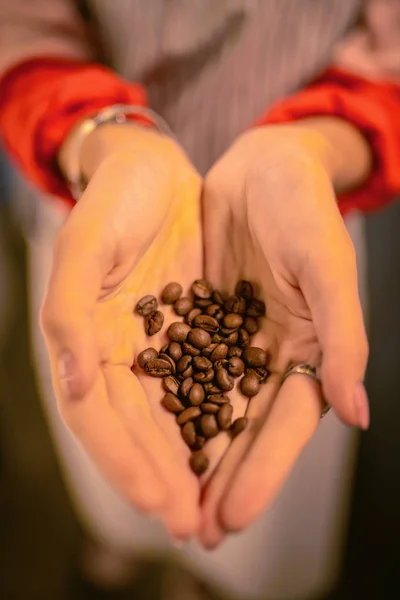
(291, 423)
(133, 407)
(212, 531)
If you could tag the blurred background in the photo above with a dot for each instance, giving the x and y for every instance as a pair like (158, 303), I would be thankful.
(40, 539)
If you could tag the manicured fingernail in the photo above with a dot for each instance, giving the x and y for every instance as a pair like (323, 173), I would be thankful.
(362, 406)
(67, 373)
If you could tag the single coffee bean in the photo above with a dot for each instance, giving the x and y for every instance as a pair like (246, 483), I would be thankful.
(199, 443)
(233, 338)
(145, 356)
(172, 403)
(227, 332)
(186, 373)
(224, 416)
(171, 362)
(171, 293)
(183, 363)
(199, 338)
(196, 394)
(249, 385)
(236, 304)
(154, 322)
(164, 349)
(156, 367)
(208, 350)
(255, 357)
(239, 425)
(175, 351)
(220, 352)
(214, 310)
(171, 384)
(204, 376)
(188, 415)
(190, 350)
(202, 303)
(178, 332)
(251, 325)
(209, 426)
(217, 338)
(188, 432)
(256, 308)
(224, 380)
(209, 407)
(233, 321)
(261, 372)
(218, 298)
(199, 462)
(236, 366)
(190, 317)
(235, 351)
(186, 386)
(211, 388)
(146, 305)
(202, 289)
(208, 323)
(243, 338)
(183, 306)
(221, 364)
(201, 363)
(244, 289)
(218, 398)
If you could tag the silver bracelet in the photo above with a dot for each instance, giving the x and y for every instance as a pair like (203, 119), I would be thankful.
(118, 113)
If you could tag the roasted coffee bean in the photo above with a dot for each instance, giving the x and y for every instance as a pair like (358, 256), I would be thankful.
(164, 349)
(224, 416)
(172, 403)
(154, 323)
(186, 386)
(199, 443)
(209, 407)
(236, 304)
(251, 325)
(178, 332)
(214, 310)
(239, 425)
(171, 384)
(175, 351)
(233, 321)
(188, 415)
(197, 424)
(221, 364)
(218, 298)
(218, 398)
(146, 305)
(261, 372)
(208, 323)
(196, 394)
(219, 353)
(236, 366)
(204, 376)
(243, 338)
(156, 367)
(224, 380)
(256, 308)
(183, 306)
(145, 356)
(188, 432)
(199, 338)
(184, 363)
(255, 357)
(202, 303)
(244, 289)
(189, 349)
(171, 293)
(249, 385)
(208, 350)
(233, 338)
(202, 289)
(190, 317)
(211, 388)
(235, 351)
(171, 362)
(201, 363)
(186, 373)
(199, 462)
(217, 338)
(209, 426)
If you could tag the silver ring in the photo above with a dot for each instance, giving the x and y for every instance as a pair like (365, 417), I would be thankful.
(304, 369)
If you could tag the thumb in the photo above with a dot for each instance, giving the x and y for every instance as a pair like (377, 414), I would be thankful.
(330, 287)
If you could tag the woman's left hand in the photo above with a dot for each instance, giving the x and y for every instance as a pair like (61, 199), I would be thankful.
(270, 216)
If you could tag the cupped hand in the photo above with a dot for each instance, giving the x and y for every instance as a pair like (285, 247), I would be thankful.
(271, 216)
(135, 229)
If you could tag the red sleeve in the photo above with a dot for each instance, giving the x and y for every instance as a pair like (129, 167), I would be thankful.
(374, 108)
(41, 99)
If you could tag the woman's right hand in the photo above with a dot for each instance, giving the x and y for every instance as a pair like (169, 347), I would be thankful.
(135, 229)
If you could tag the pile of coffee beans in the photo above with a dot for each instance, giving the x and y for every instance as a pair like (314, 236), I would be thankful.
(206, 352)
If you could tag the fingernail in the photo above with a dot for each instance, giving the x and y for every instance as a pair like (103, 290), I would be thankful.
(67, 372)
(362, 406)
